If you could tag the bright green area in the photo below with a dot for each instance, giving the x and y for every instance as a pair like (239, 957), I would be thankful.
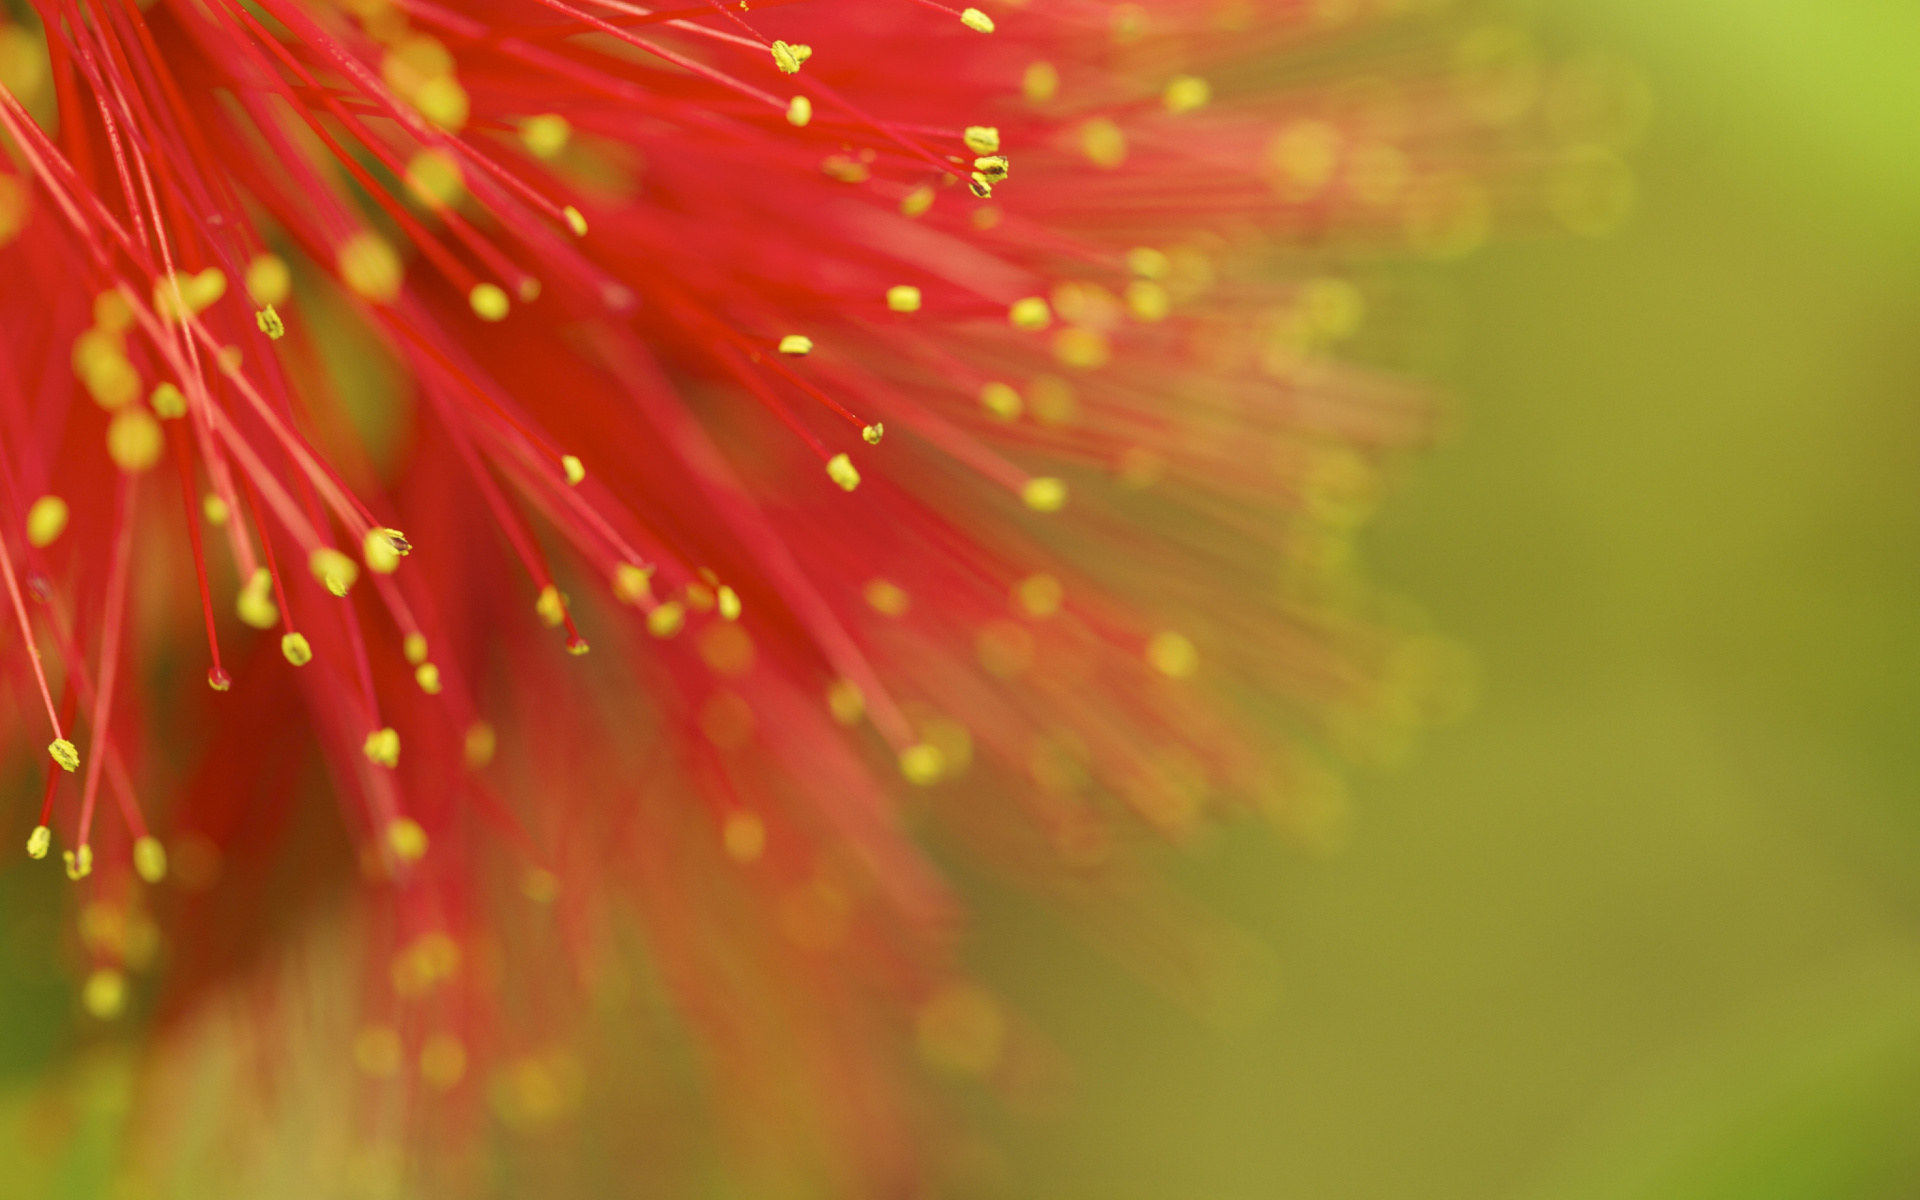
(1647, 927)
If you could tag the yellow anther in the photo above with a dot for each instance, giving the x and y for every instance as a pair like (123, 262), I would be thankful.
(216, 511)
(1185, 93)
(1082, 349)
(982, 139)
(480, 744)
(1172, 655)
(443, 1061)
(334, 570)
(1148, 301)
(414, 646)
(788, 58)
(744, 835)
(63, 753)
(134, 440)
(729, 603)
(296, 649)
(799, 112)
(111, 312)
(575, 469)
(79, 862)
(551, 606)
(1303, 157)
(917, 201)
(104, 994)
(1001, 402)
(1038, 595)
(1030, 312)
(488, 301)
(846, 702)
(1148, 263)
(631, 584)
(887, 598)
(168, 402)
(575, 221)
(377, 1051)
(150, 859)
(923, 764)
(980, 185)
(1103, 143)
(546, 135)
(871, 434)
(977, 21)
(667, 619)
(270, 323)
(369, 267)
(268, 279)
(382, 747)
(428, 677)
(195, 292)
(539, 885)
(434, 177)
(255, 603)
(1040, 83)
(1044, 494)
(577, 646)
(444, 102)
(795, 343)
(39, 842)
(993, 166)
(841, 470)
(903, 298)
(46, 520)
(383, 549)
(100, 360)
(406, 839)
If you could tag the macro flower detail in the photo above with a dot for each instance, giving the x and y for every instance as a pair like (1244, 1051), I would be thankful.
(818, 431)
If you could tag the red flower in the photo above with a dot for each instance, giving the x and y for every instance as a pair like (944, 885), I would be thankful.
(926, 416)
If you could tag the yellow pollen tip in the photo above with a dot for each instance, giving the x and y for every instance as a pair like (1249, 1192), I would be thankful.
(903, 299)
(1040, 83)
(1172, 655)
(1185, 93)
(846, 702)
(150, 859)
(575, 469)
(977, 21)
(480, 744)
(216, 511)
(269, 281)
(428, 677)
(383, 549)
(667, 619)
(982, 139)
(167, 401)
(406, 839)
(917, 201)
(799, 112)
(551, 606)
(295, 647)
(370, 267)
(79, 863)
(104, 995)
(841, 470)
(134, 440)
(575, 221)
(729, 603)
(488, 301)
(631, 584)
(382, 747)
(744, 835)
(195, 292)
(789, 57)
(795, 343)
(993, 166)
(577, 646)
(255, 604)
(415, 648)
(1000, 401)
(46, 520)
(39, 842)
(1104, 143)
(871, 434)
(1044, 494)
(62, 752)
(923, 764)
(545, 136)
(112, 313)
(334, 570)
(1029, 313)
(270, 323)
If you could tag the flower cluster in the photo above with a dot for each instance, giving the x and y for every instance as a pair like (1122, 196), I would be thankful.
(675, 463)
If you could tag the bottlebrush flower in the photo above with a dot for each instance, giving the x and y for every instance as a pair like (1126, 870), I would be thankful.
(930, 418)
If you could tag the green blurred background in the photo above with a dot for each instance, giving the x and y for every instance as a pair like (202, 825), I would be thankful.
(1648, 924)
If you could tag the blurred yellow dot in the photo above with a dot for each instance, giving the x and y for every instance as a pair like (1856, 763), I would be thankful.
(1173, 655)
(546, 135)
(744, 835)
(443, 1061)
(1103, 142)
(134, 440)
(46, 520)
